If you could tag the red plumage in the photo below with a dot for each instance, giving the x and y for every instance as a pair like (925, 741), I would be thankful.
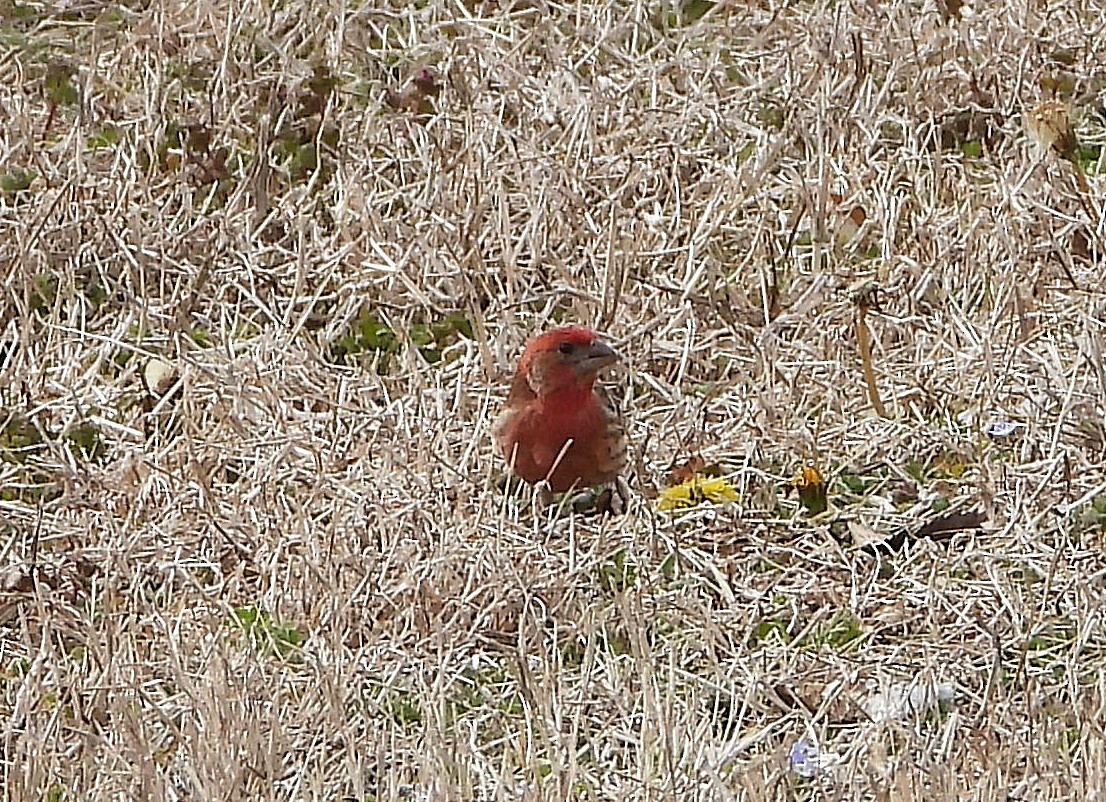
(555, 425)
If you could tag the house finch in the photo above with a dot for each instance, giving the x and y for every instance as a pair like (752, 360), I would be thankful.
(416, 97)
(555, 426)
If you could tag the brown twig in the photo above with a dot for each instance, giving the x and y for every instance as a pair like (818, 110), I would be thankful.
(865, 299)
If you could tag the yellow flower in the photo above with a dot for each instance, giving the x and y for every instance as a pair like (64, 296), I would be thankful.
(699, 489)
(811, 487)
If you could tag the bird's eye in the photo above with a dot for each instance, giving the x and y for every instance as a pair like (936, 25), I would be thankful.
(566, 348)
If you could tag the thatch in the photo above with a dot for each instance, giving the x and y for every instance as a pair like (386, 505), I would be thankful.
(286, 572)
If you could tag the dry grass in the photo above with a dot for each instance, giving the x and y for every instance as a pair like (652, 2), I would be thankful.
(289, 578)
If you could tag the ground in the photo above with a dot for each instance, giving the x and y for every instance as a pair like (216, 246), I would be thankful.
(267, 267)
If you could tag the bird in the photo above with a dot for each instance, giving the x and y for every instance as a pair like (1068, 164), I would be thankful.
(557, 427)
(418, 95)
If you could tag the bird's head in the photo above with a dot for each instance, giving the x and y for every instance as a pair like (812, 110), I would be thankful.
(426, 81)
(564, 359)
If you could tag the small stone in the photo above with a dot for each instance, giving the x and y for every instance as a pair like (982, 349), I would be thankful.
(159, 377)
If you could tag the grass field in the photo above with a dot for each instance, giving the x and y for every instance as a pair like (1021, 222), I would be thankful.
(261, 298)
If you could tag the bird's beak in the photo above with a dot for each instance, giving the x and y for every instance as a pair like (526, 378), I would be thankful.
(598, 356)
